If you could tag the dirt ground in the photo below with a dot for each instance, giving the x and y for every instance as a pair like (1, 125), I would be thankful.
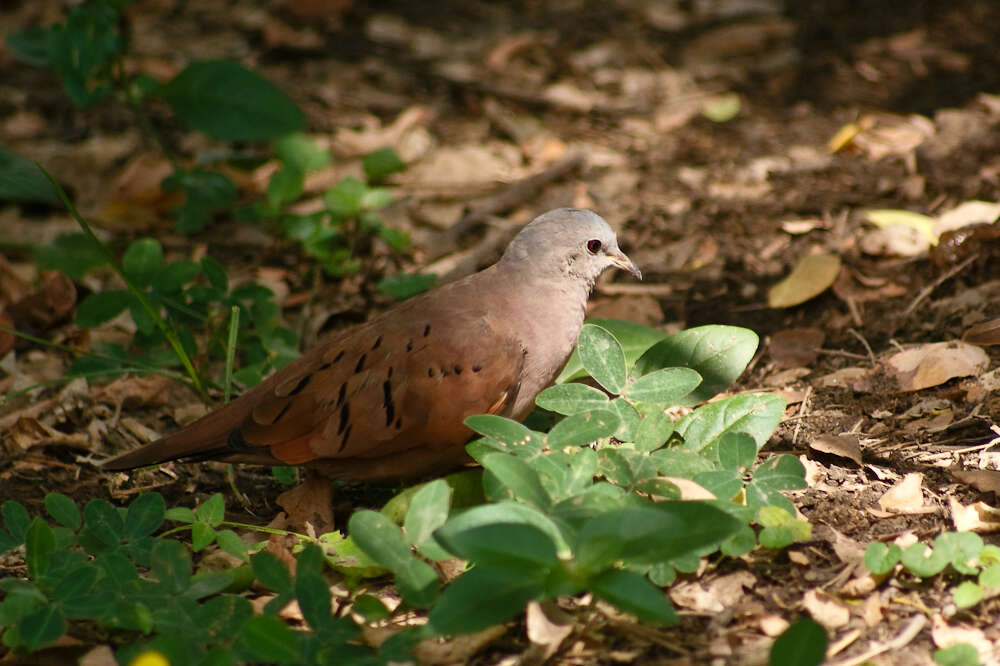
(841, 110)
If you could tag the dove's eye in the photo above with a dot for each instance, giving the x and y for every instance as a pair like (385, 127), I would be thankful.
(594, 246)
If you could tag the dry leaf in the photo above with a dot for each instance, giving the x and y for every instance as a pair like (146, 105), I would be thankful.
(810, 277)
(934, 364)
(825, 609)
(985, 480)
(965, 214)
(714, 596)
(311, 502)
(945, 636)
(984, 333)
(906, 496)
(976, 517)
(844, 446)
(794, 347)
(547, 627)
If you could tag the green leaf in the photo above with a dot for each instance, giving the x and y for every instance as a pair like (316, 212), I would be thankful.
(428, 511)
(401, 286)
(375, 198)
(207, 192)
(144, 516)
(343, 200)
(29, 46)
(142, 261)
(272, 572)
(663, 387)
(41, 627)
(16, 519)
(181, 514)
(962, 550)
(628, 419)
(382, 540)
(227, 101)
(174, 276)
(21, 179)
(202, 536)
(40, 543)
(285, 186)
(881, 558)
(215, 273)
(298, 151)
(63, 510)
(103, 522)
(231, 543)
(962, 654)
(212, 511)
(718, 353)
(510, 546)
(507, 512)
(73, 254)
(633, 594)
(481, 598)
(503, 430)
(582, 429)
(170, 562)
(102, 306)
(989, 577)
(652, 533)
(518, 478)
(569, 399)
(603, 357)
(634, 338)
(802, 644)
(781, 527)
(654, 430)
(382, 163)
(923, 561)
(756, 414)
(270, 640)
(968, 594)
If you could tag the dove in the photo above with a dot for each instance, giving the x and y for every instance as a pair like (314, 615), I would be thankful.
(386, 399)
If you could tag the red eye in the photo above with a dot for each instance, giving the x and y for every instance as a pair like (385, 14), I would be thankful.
(593, 246)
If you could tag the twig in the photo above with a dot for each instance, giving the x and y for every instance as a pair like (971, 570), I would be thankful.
(926, 291)
(868, 348)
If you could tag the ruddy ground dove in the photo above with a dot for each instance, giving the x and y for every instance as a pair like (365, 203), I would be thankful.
(386, 399)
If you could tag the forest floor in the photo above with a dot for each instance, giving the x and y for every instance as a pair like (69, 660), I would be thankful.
(725, 141)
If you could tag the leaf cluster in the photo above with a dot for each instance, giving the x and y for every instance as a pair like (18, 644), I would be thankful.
(963, 552)
(593, 504)
(103, 565)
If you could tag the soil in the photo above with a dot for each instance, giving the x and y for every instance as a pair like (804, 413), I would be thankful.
(501, 91)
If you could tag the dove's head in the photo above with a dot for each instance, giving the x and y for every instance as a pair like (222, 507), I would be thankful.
(568, 243)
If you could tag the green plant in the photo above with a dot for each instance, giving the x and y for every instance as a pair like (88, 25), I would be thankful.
(964, 552)
(567, 515)
(103, 565)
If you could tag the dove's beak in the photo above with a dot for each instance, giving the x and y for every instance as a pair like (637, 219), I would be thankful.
(624, 263)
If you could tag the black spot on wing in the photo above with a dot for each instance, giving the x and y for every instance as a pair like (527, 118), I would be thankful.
(361, 364)
(304, 382)
(387, 402)
(378, 341)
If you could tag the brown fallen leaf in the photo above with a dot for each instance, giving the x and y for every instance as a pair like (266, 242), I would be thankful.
(905, 497)
(843, 446)
(934, 364)
(547, 627)
(985, 480)
(826, 609)
(311, 502)
(976, 517)
(984, 333)
(811, 276)
(794, 347)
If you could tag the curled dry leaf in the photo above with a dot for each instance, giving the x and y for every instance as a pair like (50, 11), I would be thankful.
(976, 517)
(547, 627)
(714, 596)
(810, 277)
(843, 446)
(934, 364)
(906, 496)
(311, 502)
(825, 609)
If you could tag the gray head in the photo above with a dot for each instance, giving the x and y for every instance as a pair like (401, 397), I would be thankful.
(568, 242)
